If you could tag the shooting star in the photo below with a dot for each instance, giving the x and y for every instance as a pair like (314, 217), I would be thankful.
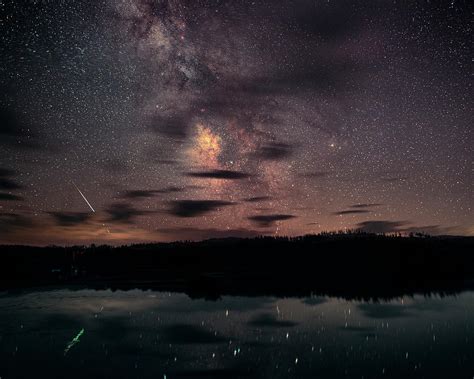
(74, 341)
(89, 204)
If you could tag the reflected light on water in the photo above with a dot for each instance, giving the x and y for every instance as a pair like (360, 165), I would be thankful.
(125, 334)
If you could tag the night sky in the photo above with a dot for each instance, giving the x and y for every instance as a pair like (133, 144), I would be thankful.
(154, 120)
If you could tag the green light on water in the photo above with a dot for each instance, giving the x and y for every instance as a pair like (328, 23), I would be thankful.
(74, 341)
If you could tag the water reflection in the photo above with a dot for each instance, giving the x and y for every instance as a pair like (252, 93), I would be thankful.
(144, 334)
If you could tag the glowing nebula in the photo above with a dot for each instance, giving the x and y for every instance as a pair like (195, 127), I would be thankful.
(206, 147)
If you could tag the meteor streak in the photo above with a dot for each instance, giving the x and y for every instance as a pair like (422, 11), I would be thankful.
(89, 204)
(74, 341)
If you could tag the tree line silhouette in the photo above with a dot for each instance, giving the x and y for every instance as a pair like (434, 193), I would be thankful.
(348, 264)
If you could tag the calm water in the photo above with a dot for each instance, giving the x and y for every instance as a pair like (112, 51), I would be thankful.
(137, 334)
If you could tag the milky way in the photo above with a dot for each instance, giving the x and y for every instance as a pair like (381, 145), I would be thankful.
(196, 119)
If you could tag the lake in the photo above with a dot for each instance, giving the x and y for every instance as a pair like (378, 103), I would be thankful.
(145, 334)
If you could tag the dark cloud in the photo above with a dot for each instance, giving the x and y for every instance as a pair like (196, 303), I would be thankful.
(275, 151)
(195, 208)
(141, 194)
(270, 321)
(138, 194)
(70, 218)
(381, 226)
(257, 199)
(170, 189)
(6, 172)
(357, 209)
(123, 213)
(367, 205)
(6, 182)
(171, 126)
(219, 174)
(268, 220)
(10, 197)
(10, 222)
(351, 211)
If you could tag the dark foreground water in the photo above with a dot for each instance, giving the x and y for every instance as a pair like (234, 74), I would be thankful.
(137, 334)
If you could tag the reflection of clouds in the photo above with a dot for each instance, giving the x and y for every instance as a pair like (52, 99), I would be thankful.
(106, 302)
(384, 310)
(408, 308)
(90, 302)
(313, 301)
(269, 320)
(226, 303)
(234, 336)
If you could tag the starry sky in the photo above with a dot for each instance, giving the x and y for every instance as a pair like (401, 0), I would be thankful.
(160, 120)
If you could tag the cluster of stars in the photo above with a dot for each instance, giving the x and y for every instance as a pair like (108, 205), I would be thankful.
(308, 109)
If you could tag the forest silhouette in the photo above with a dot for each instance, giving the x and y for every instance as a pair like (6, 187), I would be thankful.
(352, 265)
